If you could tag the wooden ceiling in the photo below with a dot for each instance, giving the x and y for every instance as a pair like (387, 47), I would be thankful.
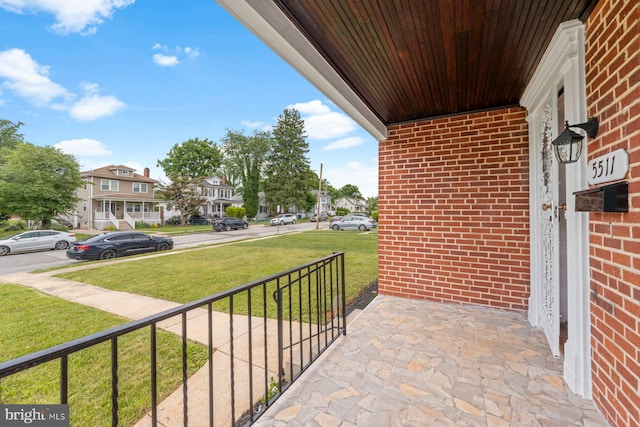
(415, 59)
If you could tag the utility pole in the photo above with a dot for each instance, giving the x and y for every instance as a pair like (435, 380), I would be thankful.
(319, 195)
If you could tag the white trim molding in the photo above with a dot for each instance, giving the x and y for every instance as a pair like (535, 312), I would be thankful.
(563, 67)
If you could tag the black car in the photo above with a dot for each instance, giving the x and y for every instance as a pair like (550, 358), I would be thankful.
(117, 244)
(229, 224)
(197, 220)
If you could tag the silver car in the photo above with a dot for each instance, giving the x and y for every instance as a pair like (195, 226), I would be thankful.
(283, 219)
(352, 222)
(36, 240)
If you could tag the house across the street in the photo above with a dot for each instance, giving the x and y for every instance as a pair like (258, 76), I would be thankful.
(116, 196)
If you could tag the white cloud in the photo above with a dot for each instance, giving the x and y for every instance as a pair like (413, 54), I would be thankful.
(191, 52)
(28, 79)
(322, 123)
(263, 126)
(83, 147)
(353, 141)
(94, 107)
(365, 178)
(72, 16)
(165, 60)
(169, 59)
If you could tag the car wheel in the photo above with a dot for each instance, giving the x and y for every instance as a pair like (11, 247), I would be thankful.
(281, 222)
(293, 222)
(245, 226)
(336, 227)
(4, 250)
(62, 244)
(228, 228)
(108, 254)
(163, 247)
(363, 228)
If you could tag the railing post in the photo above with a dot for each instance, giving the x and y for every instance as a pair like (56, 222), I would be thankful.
(277, 296)
(344, 296)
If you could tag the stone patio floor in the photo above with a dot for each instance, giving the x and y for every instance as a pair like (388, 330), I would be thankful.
(417, 363)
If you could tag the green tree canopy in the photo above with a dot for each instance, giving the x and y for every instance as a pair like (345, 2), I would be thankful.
(38, 183)
(244, 159)
(351, 191)
(10, 137)
(194, 158)
(287, 167)
(182, 194)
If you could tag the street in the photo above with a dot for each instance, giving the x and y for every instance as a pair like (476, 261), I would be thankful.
(23, 262)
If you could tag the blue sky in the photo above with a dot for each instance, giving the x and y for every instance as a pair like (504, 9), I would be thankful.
(122, 81)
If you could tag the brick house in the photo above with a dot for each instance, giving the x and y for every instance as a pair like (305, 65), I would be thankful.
(116, 196)
(466, 99)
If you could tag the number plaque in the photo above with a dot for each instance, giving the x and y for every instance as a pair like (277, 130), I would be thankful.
(609, 167)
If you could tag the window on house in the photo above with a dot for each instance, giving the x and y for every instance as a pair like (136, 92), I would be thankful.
(139, 187)
(134, 207)
(84, 206)
(109, 185)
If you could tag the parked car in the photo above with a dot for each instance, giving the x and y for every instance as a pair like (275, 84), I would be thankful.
(117, 244)
(229, 224)
(36, 240)
(283, 219)
(197, 220)
(352, 222)
(323, 217)
(334, 219)
(61, 222)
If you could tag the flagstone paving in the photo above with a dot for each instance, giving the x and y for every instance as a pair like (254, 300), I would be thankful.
(417, 363)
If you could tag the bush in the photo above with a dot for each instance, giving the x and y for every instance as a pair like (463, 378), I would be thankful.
(233, 212)
(110, 228)
(374, 215)
(142, 224)
(174, 220)
(342, 211)
(15, 226)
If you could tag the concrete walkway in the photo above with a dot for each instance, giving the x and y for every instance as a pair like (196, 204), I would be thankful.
(132, 306)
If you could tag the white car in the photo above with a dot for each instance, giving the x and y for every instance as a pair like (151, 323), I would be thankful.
(283, 219)
(352, 222)
(36, 240)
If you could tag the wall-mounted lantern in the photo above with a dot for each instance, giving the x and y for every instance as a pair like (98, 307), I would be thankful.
(568, 144)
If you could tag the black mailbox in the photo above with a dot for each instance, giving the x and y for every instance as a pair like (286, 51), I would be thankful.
(608, 198)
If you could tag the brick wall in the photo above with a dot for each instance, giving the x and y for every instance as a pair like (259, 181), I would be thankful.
(613, 96)
(454, 209)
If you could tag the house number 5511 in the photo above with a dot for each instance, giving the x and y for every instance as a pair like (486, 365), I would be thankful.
(609, 167)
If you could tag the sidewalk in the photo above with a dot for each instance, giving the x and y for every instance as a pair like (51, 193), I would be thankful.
(133, 306)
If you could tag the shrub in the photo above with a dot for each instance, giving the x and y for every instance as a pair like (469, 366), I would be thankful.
(174, 220)
(15, 226)
(342, 211)
(110, 228)
(232, 211)
(374, 215)
(142, 224)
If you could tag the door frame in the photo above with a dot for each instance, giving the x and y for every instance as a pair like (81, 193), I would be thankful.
(563, 66)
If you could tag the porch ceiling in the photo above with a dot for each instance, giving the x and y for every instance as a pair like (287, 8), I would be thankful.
(406, 60)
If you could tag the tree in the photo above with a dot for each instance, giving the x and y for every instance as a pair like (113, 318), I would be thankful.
(183, 194)
(372, 204)
(287, 167)
(194, 158)
(10, 137)
(244, 159)
(351, 191)
(38, 183)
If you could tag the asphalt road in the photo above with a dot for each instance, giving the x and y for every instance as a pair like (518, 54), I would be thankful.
(18, 263)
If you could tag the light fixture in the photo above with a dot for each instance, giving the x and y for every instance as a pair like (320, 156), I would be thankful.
(569, 143)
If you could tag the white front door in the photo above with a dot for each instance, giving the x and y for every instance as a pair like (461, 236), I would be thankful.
(546, 214)
(559, 234)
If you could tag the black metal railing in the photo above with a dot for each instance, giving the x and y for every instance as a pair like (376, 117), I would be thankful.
(261, 336)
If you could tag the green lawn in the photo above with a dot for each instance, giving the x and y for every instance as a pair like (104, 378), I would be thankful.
(188, 276)
(32, 321)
